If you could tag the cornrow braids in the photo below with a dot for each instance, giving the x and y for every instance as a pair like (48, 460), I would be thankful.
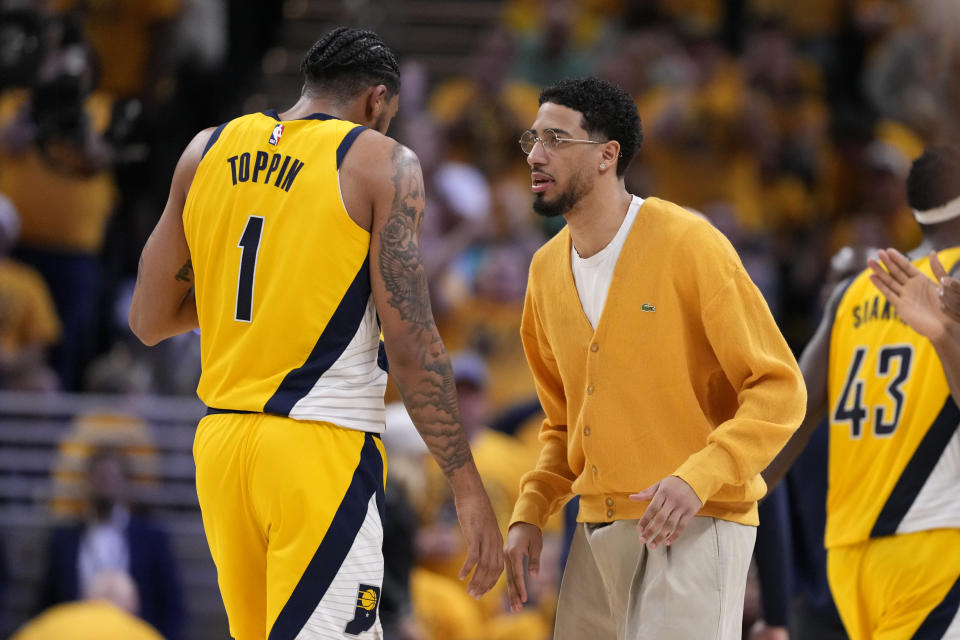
(345, 61)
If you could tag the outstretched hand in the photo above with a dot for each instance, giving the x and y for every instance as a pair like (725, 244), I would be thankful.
(672, 504)
(931, 309)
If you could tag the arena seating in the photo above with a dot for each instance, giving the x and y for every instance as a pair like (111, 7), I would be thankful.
(37, 435)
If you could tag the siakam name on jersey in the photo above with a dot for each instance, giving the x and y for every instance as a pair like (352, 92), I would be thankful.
(870, 310)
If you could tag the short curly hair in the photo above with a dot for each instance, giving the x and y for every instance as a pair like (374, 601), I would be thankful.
(346, 61)
(934, 178)
(607, 110)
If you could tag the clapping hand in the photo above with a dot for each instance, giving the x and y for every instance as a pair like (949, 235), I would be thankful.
(931, 307)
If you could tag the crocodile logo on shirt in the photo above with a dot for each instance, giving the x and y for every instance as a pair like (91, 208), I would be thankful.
(646, 306)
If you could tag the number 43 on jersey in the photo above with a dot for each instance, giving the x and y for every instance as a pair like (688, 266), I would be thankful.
(893, 370)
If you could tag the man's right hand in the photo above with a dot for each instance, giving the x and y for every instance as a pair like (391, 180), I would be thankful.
(523, 540)
(484, 542)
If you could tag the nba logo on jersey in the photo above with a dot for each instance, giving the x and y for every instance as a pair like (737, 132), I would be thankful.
(275, 136)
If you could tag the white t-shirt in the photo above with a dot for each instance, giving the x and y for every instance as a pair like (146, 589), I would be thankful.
(593, 275)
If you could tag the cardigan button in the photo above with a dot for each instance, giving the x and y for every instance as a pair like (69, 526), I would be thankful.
(609, 502)
(586, 431)
(594, 347)
(590, 390)
(594, 467)
(609, 513)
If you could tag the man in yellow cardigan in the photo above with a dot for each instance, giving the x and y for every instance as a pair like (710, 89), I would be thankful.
(666, 385)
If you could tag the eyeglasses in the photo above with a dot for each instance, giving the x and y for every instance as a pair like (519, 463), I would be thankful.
(550, 140)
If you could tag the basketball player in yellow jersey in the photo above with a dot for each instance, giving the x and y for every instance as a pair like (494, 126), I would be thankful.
(884, 366)
(290, 240)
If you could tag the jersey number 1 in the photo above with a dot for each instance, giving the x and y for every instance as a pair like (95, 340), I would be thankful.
(250, 243)
(852, 410)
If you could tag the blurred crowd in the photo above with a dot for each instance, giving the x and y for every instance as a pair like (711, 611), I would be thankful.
(97, 100)
(790, 125)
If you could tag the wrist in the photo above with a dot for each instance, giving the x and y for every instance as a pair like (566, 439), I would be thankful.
(466, 479)
(522, 523)
(948, 338)
(953, 331)
(690, 486)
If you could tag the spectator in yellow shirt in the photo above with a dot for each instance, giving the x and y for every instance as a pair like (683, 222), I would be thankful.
(108, 613)
(54, 166)
(28, 321)
(124, 35)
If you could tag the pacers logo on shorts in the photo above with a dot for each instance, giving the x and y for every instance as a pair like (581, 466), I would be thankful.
(368, 597)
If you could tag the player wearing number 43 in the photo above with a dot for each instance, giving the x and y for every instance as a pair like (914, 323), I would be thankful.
(291, 241)
(884, 364)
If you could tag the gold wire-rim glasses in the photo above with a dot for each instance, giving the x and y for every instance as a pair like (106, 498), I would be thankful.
(550, 140)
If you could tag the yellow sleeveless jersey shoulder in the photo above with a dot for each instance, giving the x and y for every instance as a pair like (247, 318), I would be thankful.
(287, 324)
(894, 448)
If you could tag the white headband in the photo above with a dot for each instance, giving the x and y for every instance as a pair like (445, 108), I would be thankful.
(939, 214)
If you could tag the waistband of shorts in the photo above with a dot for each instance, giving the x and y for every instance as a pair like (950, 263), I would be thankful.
(214, 411)
(211, 411)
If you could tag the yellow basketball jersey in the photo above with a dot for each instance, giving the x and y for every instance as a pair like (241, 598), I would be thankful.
(894, 444)
(287, 322)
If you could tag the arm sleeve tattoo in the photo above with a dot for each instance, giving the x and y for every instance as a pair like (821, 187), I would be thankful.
(430, 395)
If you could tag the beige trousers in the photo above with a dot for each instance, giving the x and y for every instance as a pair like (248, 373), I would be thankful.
(615, 588)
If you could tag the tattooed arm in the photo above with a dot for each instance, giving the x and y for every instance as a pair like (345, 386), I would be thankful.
(422, 368)
(418, 360)
(163, 302)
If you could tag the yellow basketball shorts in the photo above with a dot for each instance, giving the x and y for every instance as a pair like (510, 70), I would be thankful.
(292, 512)
(898, 587)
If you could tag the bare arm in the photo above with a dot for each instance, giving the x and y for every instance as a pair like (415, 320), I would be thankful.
(949, 348)
(163, 302)
(813, 366)
(418, 360)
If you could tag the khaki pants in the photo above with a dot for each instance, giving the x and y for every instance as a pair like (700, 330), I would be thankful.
(615, 588)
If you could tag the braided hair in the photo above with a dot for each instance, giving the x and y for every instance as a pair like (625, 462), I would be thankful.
(346, 61)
